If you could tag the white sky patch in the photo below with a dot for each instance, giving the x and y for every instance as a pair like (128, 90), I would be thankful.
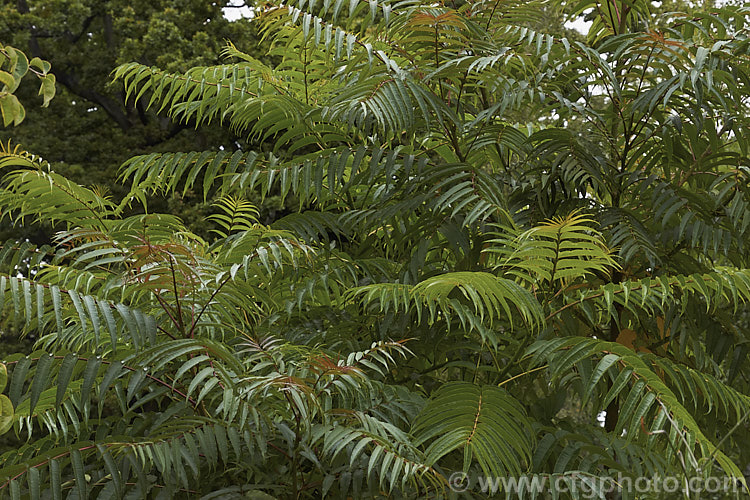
(579, 25)
(238, 10)
(583, 26)
(601, 418)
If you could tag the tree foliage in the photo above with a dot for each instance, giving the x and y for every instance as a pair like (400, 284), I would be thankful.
(493, 226)
(88, 131)
(17, 65)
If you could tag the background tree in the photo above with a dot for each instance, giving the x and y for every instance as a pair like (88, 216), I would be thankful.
(89, 131)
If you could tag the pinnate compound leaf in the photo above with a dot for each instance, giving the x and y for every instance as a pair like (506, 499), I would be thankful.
(485, 421)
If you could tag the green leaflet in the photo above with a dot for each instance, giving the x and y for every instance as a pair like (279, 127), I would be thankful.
(41, 379)
(7, 416)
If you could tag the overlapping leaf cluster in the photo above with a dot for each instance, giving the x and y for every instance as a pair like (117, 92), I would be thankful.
(500, 236)
(14, 65)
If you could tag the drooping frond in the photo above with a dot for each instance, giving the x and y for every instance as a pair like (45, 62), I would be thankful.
(723, 287)
(488, 424)
(485, 295)
(560, 250)
(650, 409)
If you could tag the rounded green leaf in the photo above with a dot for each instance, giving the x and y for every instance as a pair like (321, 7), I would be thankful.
(6, 414)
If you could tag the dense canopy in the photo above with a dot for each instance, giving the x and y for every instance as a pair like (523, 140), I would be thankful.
(506, 252)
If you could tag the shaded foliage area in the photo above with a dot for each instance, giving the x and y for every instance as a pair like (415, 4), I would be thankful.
(88, 131)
